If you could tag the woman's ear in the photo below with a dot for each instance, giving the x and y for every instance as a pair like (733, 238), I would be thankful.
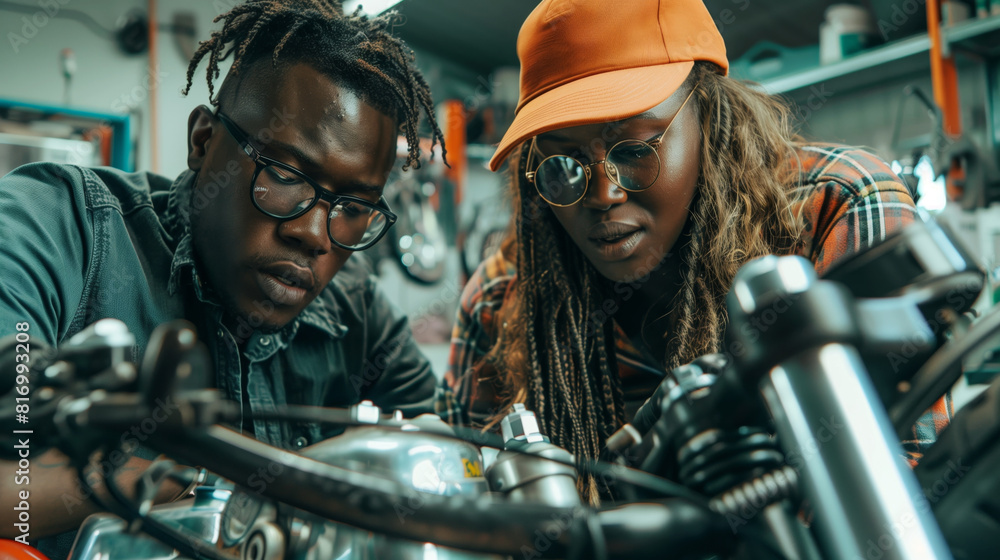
(200, 128)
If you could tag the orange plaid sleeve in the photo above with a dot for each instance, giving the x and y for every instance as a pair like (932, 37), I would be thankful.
(468, 394)
(854, 200)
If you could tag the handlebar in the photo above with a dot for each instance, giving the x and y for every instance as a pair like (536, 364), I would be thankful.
(370, 503)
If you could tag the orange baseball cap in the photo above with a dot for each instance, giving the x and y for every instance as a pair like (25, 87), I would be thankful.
(593, 61)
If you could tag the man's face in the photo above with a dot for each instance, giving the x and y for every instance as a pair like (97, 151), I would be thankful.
(265, 270)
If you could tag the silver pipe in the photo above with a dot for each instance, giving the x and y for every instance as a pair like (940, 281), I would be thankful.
(866, 500)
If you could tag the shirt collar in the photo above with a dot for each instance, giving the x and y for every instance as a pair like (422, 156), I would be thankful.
(176, 220)
(321, 314)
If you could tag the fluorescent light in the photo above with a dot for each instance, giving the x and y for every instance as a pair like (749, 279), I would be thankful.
(370, 7)
(933, 193)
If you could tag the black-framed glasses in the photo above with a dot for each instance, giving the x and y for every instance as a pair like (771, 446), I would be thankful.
(633, 165)
(283, 192)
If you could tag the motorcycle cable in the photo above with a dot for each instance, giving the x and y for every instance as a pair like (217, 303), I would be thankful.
(195, 548)
(136, 516)
(185, 545)
(941, 371)
(192, 547)
(629, 475)
(598, 545)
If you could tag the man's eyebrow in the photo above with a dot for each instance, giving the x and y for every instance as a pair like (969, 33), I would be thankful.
(362, 188)
(293, 151)
(298, 154)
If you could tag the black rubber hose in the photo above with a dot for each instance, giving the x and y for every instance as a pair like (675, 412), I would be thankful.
(482, 525)
(940, 372)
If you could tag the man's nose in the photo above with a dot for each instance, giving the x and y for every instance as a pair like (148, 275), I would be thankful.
(602, 193)
(309, 231)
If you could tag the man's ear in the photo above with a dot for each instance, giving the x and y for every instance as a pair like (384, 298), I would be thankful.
(199, 131)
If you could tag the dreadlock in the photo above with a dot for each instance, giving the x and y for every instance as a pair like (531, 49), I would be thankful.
(551, 362)
(546, 358)
(358, 52)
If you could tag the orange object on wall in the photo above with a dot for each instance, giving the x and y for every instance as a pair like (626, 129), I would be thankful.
(454, 141)
(944, 78)
(104, 135)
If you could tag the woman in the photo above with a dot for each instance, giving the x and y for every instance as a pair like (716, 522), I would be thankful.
(643, 179)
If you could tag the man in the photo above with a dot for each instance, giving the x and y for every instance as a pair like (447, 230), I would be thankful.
(284, 185)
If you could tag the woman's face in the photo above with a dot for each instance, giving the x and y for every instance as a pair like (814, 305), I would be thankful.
(628, 234)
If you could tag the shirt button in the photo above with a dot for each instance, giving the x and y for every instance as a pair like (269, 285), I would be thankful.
(300, 442)
(220, 333)
(265, 341)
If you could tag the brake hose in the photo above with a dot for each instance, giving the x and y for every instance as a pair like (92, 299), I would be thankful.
(940, 372)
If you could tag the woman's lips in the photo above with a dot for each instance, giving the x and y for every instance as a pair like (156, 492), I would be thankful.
(619, 247)
(608, 230)
(278, 290)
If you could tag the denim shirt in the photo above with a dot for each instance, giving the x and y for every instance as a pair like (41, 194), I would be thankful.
(81, 244)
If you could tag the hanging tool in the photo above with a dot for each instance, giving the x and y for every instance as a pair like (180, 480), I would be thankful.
(944, 78)
(67, 62)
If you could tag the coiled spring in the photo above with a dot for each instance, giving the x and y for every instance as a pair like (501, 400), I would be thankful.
(717, 460)
(757, 494)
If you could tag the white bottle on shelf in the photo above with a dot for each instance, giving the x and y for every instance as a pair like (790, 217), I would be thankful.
(848, 29)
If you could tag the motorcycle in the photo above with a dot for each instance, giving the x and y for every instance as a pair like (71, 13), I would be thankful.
(787, 445)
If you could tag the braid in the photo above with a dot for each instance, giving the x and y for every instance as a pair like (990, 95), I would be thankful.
(611, 386)
(284, 40)
(358, 52)
(723, 123)
(568, 371)
(699, 315)
(263, 20)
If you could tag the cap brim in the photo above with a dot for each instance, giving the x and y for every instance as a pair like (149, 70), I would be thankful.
(605, 97)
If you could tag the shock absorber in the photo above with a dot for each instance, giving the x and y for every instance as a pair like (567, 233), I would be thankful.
(758, 493)
(713, 440)
(731, 458)
(717, 459)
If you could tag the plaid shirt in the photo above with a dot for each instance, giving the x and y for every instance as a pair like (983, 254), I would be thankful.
(853, 200)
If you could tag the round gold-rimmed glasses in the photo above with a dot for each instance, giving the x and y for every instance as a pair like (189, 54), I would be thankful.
(633, 165)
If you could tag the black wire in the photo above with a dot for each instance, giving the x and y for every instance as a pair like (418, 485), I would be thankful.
(150, 482)
(597, 541)
(940, 372)
(642, 479)
(195, 548)
(76, 15)
(186, 545)
(183, 543)
(758, 537)
(634, 477)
